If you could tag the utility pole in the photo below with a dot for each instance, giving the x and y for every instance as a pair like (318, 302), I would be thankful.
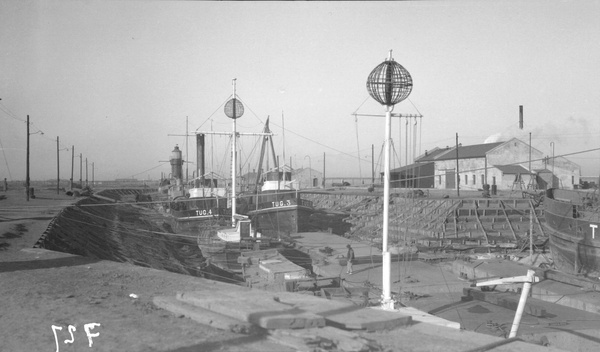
(373, 164)
(531, 215)
(86, 172)
(530, 174)
(57, 167)
(72, 164)
(80, 171)
(323, 170)
(457, 173)
(27, 168)
(93, 174)
(186, 152)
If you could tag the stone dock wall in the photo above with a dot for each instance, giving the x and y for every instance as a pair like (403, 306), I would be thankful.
(102, 228)
(451, 223)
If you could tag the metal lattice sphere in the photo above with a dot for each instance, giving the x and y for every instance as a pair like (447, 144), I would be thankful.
(234, 108)
(389, 83)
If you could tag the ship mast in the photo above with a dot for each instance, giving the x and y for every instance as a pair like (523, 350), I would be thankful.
(233, 163)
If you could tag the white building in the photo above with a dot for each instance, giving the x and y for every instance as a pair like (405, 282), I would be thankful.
(503, 165)
(307, 178)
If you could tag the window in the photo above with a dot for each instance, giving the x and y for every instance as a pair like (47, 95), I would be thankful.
(482, 179)
(474, 180)
(466, 180)
(572, 180)
(493, 180)
(440, 179)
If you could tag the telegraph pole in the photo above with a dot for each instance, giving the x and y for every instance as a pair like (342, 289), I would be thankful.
(373, 164)
(80, 170)
(323, 170)
(530, 174)
(27, 168)
(72, 164)
(457, 174)
(57, 167)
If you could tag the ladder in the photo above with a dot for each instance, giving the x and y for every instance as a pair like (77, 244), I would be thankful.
(518, 183)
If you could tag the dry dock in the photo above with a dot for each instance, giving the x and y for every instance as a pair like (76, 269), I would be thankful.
(63, 302)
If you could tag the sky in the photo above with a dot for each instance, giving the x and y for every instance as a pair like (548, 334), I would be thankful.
(119, 79)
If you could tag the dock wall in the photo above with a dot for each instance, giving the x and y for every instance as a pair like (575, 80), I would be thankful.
(114, 227)
(441, 223)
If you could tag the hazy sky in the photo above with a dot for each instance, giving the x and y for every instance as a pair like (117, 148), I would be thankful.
(115, 78)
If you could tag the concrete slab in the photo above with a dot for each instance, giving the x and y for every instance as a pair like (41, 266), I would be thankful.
(282, 269)
(264, 310)
(287, 310)
(419, 316)
(345, 314)
(203, 316)
(491, 268)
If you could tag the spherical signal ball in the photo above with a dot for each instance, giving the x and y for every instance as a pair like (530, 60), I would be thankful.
(229, 108)
(389, 83)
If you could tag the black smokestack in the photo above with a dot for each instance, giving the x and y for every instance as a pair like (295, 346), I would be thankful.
(200, 170)
(521, 117)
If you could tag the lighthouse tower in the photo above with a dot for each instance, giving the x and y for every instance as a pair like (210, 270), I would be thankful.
(176, 162)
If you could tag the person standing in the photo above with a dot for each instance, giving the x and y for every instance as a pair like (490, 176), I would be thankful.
(349, 259)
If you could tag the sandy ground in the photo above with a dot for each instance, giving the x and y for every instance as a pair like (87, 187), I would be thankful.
(44, 294)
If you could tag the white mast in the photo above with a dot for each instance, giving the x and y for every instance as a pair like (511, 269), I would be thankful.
(389, 83)
(233, 162)
(283, 135)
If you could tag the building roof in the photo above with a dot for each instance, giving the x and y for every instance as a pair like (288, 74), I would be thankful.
(469, 151)
(409, 167)
(512, 169)
(432, 154)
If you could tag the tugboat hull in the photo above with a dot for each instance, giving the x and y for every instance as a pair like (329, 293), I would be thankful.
(574, 235)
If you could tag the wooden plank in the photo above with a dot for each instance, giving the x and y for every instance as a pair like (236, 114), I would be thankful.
(264, 310)
(204, 316)
(506, 300)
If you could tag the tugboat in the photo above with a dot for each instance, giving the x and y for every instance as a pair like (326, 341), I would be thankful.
(194, 206)
(242, 245)
(572, 220)
(277, 206)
